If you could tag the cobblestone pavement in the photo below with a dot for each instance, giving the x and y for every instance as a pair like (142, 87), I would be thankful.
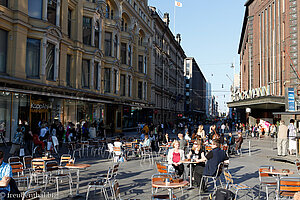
(135, 176)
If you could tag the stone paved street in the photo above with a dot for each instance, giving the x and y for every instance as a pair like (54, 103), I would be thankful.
(135, 176)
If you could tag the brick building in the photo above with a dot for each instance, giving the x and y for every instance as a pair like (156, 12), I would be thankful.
(269, 61)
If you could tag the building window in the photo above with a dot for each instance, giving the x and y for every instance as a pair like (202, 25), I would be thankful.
(87, 30)
(50, 61)
(116, 46)
(68, 70)
(124, 25)
(140, 90)
(111, 14)
(107, 44)
(145, 90)
(3, 50)
(33, 58)
(69, 22)
(129, 54)
(115, 81)
(129, 86)
(140, 64)
(122, 80)
(97, 34)
(96, 76)
(123, 53)
(51, 11)
(85, 73)
(4, 3)
(107, 11)
(145, 64)
(35, 8)
(140, 40)
(107, 80)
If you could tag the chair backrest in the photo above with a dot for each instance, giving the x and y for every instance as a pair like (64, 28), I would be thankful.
(289, 185)
(220, 169)
(208, 148)
(27, 161)
(160, 177)
(228, 178)
(38, 165)
(14, 159)
(117, 149)
(51, 166)
(32, 193)
(161, 168)
(64, 159)
(297, 163)
(261, 174)
(115, 170)
(16, 167)
(116, 188)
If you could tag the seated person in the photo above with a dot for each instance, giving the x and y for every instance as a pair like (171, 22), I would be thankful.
(166, 139)
(37, 141)
(142, 137)
(146, 142)
(230, 140)
(175, 156)
(213, 159)
(195, 154)
(118, 144)
(182, 142)
(5, 176)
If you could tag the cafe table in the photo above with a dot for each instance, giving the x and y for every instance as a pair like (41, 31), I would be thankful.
(44, 159)
(277, 173)
(77, 167)
(190, 162)
(170, 186)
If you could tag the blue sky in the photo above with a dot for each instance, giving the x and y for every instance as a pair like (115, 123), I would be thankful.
(210, 32)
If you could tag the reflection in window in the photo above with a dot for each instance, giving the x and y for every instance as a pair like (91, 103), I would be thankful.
(107, 11)
(87, 30)
(97, 34)
(51, 11)
(115, 81)
(85, 73)
(129, 54)
(108, 43)
(96, 75)
(107, 80)
(69, 22)
(50, 61)
(3, 50)
(140, 64)
(122, 80)
(68, 70)
(129, 86)
(140, 90)
(116, 46)
(35, 8)
(123, 53)
(33, 58)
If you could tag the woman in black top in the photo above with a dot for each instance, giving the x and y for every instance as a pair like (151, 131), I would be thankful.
(195, 155)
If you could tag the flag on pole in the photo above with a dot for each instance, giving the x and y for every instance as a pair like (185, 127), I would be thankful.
(178, 4)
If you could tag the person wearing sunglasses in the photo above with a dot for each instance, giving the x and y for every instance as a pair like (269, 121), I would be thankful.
(195, 155)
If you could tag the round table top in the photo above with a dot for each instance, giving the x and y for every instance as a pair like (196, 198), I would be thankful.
(164, 146)
(77, 166)
(190, 162)
(162, 184)
(277, 172)
(43, 159)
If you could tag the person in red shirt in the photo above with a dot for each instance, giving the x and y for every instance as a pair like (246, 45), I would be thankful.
(175, 156)
(37, 141)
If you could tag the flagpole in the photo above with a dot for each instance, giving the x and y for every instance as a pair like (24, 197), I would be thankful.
(174, 19)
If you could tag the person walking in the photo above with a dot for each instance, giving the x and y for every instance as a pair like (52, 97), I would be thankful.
(292, 137)
(282, 139)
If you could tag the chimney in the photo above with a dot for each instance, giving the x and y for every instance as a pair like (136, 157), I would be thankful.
(166, 19)
(178, 38)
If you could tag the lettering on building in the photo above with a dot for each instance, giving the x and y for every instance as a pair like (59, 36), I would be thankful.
(251, 94)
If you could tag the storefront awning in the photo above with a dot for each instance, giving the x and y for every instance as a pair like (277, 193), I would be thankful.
(53, 95)
(267, 102)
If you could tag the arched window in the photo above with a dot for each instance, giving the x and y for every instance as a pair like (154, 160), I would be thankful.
(122, 24)
(107, 11)
(112, 14)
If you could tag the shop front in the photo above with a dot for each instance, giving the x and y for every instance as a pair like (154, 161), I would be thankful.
(18, 108)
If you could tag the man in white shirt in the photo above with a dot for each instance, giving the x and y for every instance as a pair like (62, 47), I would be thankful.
(223, 128)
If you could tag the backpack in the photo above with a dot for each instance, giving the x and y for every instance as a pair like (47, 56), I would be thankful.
(223, 194)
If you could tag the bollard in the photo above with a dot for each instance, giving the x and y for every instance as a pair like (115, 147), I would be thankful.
(249, 148)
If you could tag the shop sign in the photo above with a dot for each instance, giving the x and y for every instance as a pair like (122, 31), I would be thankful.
(251, 94)
(291, 99)
(39, 106)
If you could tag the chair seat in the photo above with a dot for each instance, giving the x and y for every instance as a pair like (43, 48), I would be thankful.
(241, 186)
(96, 183)
(287, 194)
(269, 183)
(163, 196)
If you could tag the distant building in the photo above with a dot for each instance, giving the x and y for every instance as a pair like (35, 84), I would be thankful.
(195, 90)
(208, 100)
